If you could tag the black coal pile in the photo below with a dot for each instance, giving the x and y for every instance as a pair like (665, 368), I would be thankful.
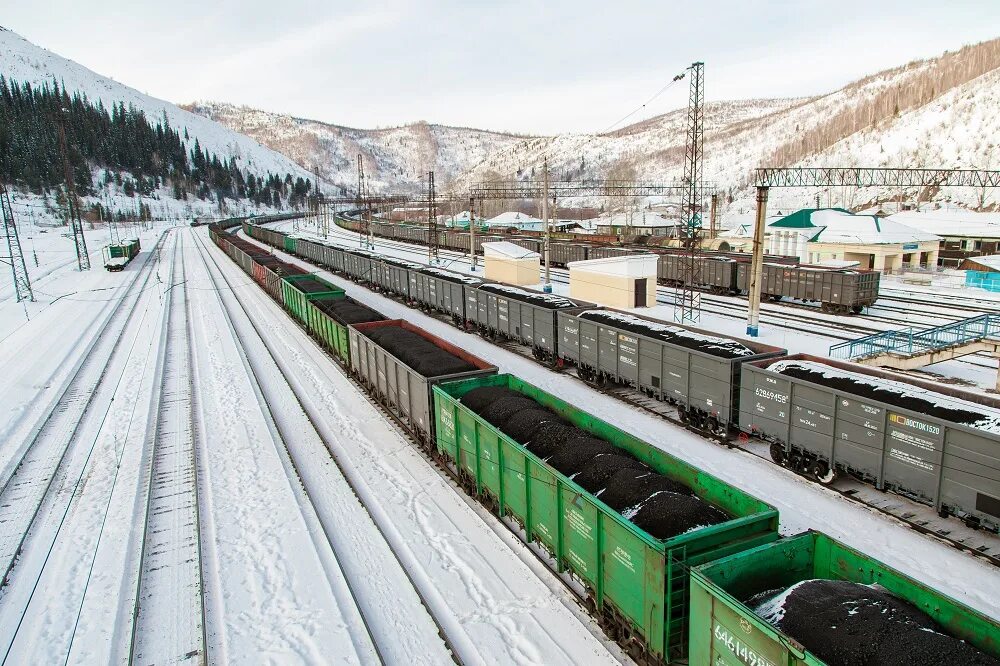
(885, 395)
(479, 398)
(418, 352)
(673, 334)
(551, 436)
(665, 514)
(348, 311)
(595, 474)
(849, 624)
(522, 425)
(547, 301)
(662, 507)
(504, 408)
(630, 487)
(575, 453)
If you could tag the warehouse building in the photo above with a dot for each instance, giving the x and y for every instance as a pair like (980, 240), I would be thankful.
(510, 263)
(622, 282)
(640, 223)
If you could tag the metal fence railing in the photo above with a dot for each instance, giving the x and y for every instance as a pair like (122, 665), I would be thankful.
(910, 342)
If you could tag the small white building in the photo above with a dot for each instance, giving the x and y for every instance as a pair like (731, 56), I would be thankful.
(622, 282)
(638, 223)
(510, 263)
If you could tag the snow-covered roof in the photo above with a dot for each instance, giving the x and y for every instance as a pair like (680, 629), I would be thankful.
(629, 265)
(640, 219)
(841, 227)
(512, 219)
(951, 222)
(507, 250)
(992, 261)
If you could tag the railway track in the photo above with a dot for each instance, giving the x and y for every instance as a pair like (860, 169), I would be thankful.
(44, 478)
(168, 614)
(366, 611)
(915, 516)
(503, 527)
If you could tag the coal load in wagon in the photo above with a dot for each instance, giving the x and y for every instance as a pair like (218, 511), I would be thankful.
(522, 425)
(498, 412)
(551, 436)
(481, 397)
(577, 452)
(595, 474)
(547, 301)
(864, 389)
(450, 277)
(418, 352)
(665, 514)
(845, 623)
(348, 311)
(630, 487)
(675, 335)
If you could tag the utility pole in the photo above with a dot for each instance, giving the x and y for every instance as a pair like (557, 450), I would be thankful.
(473, 257)
(688, 298)
(757, 264)
(713, 229)
(547, 287)
(79, 242)
(22, 284)
(433, 256)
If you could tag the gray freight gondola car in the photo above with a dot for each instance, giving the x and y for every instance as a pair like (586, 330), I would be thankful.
(525, 316)
(930, 442)
(359, 264)
(605, 251)
(838, 290)
(378, 362)
(561, 254)
(442, 291)
(393, 275)
(716, 273)
(695, 369)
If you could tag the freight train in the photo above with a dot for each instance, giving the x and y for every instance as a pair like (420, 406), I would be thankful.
(714, 382)
(672, 560)
(840, 291)
(118, 255)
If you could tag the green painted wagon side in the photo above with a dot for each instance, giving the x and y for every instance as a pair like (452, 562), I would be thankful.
(332, 334)
(638, 584)
(725, 632)
(295, 298)
(290, 244)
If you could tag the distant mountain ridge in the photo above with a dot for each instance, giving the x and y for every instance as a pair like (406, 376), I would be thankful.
(393, 157)
(933, 112)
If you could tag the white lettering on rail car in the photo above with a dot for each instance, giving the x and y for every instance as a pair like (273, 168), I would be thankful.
(739, 649)
(773, 396)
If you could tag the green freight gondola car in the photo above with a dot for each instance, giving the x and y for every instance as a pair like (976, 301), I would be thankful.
(638, 585)
(298, 290)
(726, 632)
(118, 256)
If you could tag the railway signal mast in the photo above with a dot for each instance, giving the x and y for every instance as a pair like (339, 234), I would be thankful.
(367, 239)
(22, 284)
(433, 242)
(687, 300)
(79, 242)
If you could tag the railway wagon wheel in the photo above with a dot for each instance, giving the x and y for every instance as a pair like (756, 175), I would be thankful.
(823, 472)
(777, 451)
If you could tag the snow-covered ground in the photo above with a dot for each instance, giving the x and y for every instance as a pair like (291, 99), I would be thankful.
(802, 504)
(185, 474)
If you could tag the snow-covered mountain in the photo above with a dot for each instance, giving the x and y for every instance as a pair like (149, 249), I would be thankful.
(938, 112)
(26, 62)
(396, 157)
(928, 113)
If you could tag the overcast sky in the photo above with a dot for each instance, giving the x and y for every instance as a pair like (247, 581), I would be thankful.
(533, 67)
